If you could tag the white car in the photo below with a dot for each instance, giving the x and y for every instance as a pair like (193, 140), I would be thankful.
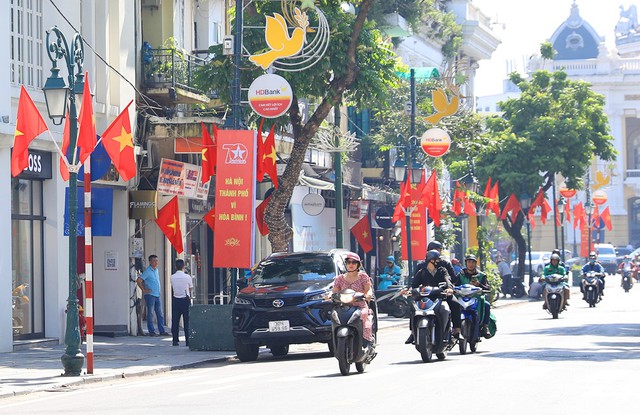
(539, 260)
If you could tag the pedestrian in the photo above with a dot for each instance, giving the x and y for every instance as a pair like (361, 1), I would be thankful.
(505, 273)
(181, 286)
(149, 283)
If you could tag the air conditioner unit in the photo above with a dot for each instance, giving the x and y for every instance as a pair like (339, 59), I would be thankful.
(153, 155)
(151, 3)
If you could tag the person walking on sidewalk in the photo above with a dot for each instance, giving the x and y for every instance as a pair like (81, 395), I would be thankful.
(181, 285)
(149, 283)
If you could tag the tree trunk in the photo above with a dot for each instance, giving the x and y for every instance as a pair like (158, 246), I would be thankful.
(515, 231)
(280, 233)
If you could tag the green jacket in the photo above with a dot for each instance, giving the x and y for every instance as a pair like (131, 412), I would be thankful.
(551, 269)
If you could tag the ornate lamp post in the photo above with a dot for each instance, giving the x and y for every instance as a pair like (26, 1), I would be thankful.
(589, 208)
(57, 95)
(561, 206)
(525, 202)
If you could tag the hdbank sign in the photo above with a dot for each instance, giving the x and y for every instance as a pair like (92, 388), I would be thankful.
(270, 96)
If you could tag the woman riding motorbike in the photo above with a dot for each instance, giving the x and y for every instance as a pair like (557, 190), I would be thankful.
(390, 274)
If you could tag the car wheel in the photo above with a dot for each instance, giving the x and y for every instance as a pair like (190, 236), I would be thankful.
(246, 352)
(279, 350)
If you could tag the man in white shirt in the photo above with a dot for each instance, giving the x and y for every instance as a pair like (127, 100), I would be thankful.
(181, 285)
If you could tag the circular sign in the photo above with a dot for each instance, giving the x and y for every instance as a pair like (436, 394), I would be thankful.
(383, 217)
(566, 192)
(435, 142)
(270, 96)
(313, 204)
(599, 197)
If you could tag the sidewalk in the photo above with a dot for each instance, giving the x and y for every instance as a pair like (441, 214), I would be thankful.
(40, 369)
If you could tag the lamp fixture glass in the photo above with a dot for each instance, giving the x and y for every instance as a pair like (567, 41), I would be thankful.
(399, 169)
(589, 208)
(525, 200)
(561, 205)
(55, 95)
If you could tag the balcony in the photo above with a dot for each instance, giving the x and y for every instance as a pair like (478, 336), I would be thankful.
(168, 76)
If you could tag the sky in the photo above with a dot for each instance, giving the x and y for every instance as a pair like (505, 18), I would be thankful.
(528, 23)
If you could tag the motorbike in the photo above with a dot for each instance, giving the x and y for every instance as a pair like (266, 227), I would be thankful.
(386, 281)
(554, 293)
(347, 328)
(431, 324)
(468, 296)
(626, 279)
(517, 288)
(390, 301)
(591, 288)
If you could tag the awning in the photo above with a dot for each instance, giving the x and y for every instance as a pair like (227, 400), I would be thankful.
(422, 73)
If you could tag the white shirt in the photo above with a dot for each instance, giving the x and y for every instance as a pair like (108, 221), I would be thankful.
(181, 283)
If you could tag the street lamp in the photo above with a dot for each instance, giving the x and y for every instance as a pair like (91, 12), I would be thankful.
(525, 202)
(56, 94)
(561, 206)
(589, 208)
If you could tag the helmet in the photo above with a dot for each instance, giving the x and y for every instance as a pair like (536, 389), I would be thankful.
(556, 251)
(431, 255)
(470, 257)
(555, 256)
(455, 261)
(626, 257)
(390, 258)
(353, 256)
(592, 255)
(434, 245)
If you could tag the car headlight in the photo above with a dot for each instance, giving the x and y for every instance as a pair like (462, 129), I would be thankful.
(243, 301)
(320, 296)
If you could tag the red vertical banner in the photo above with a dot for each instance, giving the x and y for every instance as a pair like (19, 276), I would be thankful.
(418, 233)
(584, 239)
(233, 239)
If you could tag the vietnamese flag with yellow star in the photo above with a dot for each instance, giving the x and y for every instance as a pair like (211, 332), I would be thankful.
(362, 232)
(29, 125)
(86, 123)
(168, 221)
(267, 156)
(209, 151)
(118, 142)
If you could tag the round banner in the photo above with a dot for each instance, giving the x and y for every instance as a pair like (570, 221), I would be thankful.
(599, 197)
(566, 192)
(313, 204)
(270, 96)
(435, 142)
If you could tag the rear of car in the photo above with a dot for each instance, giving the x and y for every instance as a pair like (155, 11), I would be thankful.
(607, 257)
(283, 302)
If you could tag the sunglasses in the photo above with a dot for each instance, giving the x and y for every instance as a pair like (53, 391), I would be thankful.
(351, 261)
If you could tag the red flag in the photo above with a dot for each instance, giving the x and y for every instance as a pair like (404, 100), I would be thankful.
(262, 225)
(362, 233)
(404, 201)
(209, 150)
(606, 218)
(494, 204)
(64, 171)
(512, 207)
(545, 208)
(267, 157)
(168, 221)
(210, 218)
(537, 201)
(595, 218)
(118, 142)
(458, 199)
(567, 211)
(87, 124)
(29, 125)
(578, 215)
(470, 207)
(431, 198)
(487, 189)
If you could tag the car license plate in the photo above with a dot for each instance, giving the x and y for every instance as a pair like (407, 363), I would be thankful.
(279, 325)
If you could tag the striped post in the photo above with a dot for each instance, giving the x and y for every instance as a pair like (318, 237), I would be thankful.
(88, 264)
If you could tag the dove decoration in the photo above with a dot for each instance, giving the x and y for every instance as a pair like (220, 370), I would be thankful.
(602, 180)
(281, 45)
(443, 106)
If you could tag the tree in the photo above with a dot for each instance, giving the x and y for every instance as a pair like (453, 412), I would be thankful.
(556, 126)
(358, 67)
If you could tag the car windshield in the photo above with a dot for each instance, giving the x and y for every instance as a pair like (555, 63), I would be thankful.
(535, 255)
(288, 270)
(605, 250)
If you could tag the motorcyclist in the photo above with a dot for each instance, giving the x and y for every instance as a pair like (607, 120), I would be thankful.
(472, 275)
(593, 266)
(356, 279)
(554, 267)
(456, 266)
(443, 262)
(391, 274)
(432, 274)
(557, 252)
(627, 264)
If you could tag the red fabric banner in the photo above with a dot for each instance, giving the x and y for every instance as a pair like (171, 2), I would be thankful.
(262, 225)
(208, 153)
(210, 218)
(267, 156)
(606, 218)
(169, 223)
(29, 125)
(362, 232)
(233, 240)
(86, 123)
(118, 142)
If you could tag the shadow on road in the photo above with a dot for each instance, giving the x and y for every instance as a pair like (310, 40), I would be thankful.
(614, 329)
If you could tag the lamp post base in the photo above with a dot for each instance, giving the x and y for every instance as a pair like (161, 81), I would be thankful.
(72, 364)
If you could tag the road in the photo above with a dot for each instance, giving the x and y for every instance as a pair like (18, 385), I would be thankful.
(579, 363)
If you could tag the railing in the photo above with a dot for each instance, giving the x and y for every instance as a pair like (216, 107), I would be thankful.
(164, 68)
(633, 174)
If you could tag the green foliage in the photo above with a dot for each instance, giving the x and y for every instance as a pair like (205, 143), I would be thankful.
(493, 276)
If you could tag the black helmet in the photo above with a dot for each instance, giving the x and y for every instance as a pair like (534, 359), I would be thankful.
(434, 245)
(431, 255)
(556, 251)
(470, 257)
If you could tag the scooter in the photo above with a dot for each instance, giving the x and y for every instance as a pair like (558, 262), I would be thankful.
(591, 288)
(554, 293)
(392, 302)
(468, 296)
(347, 329)
(431, 324)
(626, 279)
